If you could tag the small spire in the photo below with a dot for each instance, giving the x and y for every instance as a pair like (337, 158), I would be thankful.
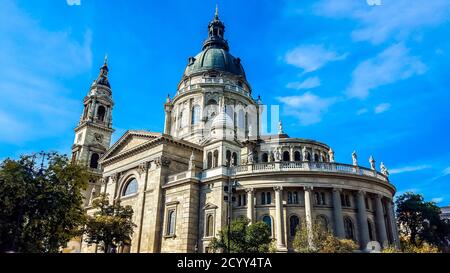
(106, 59)
(217, 12)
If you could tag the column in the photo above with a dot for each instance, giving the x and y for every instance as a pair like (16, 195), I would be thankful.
(279, 222)
(392, 222)
(337, 213)
(168, 120)
(380, 224)
(250, 204)
(308, 214)
(291, 153)
(362, 220)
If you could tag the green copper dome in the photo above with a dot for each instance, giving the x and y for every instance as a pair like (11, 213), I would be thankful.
(215, 53)
(217, 59)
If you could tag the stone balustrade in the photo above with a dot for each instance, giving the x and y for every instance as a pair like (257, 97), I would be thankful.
(260, 168)
(228, 87)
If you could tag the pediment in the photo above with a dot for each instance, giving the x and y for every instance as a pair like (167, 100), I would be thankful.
(130, 140)
(209, 206)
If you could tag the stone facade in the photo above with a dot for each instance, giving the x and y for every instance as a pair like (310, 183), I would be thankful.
(177, 181)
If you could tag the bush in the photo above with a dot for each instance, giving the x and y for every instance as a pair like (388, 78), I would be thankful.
(320, 241)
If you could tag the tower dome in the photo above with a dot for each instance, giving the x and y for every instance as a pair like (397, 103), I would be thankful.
(215, 53)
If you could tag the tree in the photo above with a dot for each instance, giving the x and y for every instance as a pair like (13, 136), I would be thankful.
(407, 247)
(420, 221)
(244, 237)
(320, 240)
(40, 204)
(110, 226)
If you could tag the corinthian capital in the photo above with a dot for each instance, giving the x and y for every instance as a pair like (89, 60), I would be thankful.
(162, 161)
(278, 188)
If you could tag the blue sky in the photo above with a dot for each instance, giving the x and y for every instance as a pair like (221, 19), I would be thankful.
(370, 78)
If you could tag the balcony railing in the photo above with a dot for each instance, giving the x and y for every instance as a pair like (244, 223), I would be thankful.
(228, 87)
(260, 168)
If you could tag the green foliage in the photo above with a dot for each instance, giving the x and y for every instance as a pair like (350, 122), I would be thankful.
(320, 240)
(40, 207)
(420, 221)
(111, 225)
(407, 247)
(244, 238)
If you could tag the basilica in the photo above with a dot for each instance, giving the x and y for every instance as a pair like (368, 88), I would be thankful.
(212, 163)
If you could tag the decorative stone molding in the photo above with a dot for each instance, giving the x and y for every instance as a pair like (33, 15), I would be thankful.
(339, 190)
(115, 177)
(162, 162)
(308, 188)
(143, 167)
(249, 190)
(278, 188)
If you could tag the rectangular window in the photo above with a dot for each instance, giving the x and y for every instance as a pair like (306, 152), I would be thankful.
(295, 197)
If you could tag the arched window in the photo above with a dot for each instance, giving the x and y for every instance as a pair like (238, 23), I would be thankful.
(349, 228)
(171, 223)
(316, 157)
(265, 158)
(322, 222)
(241, 119)
(268, 221)
(294, 222)
(317, 198)
(130, 188)
(297, 156)
(286, 156)
(196, 115)
(101, 111)
(210, 225)
(324, 158)
(295, 197)
(371, 233)
(180, 120)
(234, 159)
(94, 161)
(211, 108)
(308, 156)
(209, 160)
(228, 158)
(216, 159)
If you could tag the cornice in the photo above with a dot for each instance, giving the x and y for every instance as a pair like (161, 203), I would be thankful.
(163, 139)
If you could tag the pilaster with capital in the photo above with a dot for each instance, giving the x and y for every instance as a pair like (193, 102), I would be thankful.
(279, 221)
(308, 214)
(392, 222)
(380, 224)
(362, 220)
(250, 204)
(337, 214)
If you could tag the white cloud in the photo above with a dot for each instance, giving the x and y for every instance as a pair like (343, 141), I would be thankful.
(307, 108)
(409, 169)
(312, 57)
(446, 171)
(34, 61)
(309, 83)
(362, 111)
(393, 19)
(381, 108)
(390, 66)
(73, 2)
(437, 200)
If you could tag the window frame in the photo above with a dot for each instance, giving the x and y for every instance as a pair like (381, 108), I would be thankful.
(126, 186)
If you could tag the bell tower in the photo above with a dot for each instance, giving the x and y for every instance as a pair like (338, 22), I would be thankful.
(93, 133)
